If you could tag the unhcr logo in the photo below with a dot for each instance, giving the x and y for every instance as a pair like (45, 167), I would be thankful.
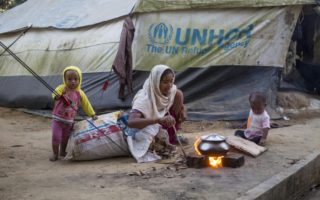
(160, 33)
(196, 41)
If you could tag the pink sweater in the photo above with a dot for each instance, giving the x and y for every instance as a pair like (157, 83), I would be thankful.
(64, 113)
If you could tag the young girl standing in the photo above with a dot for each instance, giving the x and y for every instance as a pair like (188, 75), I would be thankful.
(65, 109)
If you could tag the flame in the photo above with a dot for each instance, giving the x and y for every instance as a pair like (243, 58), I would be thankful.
(214, 162)
(196, 143)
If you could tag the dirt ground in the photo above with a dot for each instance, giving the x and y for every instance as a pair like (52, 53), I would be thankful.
(26, 172)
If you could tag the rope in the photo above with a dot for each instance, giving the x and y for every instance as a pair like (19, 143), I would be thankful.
(53, 90)
(21, 34)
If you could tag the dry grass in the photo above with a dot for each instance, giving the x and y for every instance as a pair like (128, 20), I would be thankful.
(293, 100)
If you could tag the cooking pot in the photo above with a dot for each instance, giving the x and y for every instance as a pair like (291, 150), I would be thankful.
(213, 145)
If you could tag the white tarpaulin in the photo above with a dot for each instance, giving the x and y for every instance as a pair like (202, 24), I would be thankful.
(161, 5)
(91, 48)
(62, 14)
(202, 38)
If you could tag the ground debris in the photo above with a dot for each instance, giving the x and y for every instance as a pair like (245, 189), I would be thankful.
(170, 171)
(137, 173)
(17, 145)
(292, 161)
(3, 175)
(315, 187)
(99, 176)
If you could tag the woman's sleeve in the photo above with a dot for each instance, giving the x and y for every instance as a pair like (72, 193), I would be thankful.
(86, 105)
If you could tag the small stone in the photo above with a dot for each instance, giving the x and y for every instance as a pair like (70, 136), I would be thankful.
(145, 177)
(142, 173)
(17, 145)
(168, 175)
(182, 167)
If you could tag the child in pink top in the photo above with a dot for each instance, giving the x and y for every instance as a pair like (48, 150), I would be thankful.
(258, 123)
(65, 109)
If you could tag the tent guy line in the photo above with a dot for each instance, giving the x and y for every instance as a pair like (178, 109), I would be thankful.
(21, 34)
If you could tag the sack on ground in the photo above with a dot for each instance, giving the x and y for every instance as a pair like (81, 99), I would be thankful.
(88, 143)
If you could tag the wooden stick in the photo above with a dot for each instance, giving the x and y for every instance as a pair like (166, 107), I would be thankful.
(181, 147)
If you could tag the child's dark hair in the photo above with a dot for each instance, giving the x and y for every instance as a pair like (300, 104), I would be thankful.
(258, 96)
(166, 72)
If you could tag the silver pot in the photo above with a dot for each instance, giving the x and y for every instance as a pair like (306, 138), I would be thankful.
(213, 145)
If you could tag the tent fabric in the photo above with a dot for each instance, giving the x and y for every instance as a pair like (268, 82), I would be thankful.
(63, 14)
(223, 92)
(93, 49)
(310, 73)
(305, 78)
(199, 39)
(87, 34)
(47, 51)
(302, 74)
(162, 5)
(210, 93)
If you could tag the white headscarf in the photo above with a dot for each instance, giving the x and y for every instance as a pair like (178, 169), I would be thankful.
(149, 100)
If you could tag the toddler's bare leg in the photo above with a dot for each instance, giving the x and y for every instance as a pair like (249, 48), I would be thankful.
(55, 149)
(63, 147)
(65, 138)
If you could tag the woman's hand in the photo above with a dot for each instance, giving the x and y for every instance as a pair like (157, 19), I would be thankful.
(168, 121)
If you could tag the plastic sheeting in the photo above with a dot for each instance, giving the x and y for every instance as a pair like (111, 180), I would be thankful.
(161, 5)
(48, 52)
(63, 14)
(93, 49)
(223, 92)
(213, 89)
(199, 39)
(210, 93)
(304, 77)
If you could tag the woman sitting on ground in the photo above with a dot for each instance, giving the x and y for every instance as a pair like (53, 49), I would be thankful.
(157, 111)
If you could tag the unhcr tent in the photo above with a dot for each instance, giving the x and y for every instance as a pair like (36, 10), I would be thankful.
(222, 50)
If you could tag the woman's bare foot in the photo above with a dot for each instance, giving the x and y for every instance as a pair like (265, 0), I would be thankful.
(53, 158)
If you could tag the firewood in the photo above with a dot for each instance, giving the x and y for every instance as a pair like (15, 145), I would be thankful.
(197, 161)
(233, 160)
(245, 145)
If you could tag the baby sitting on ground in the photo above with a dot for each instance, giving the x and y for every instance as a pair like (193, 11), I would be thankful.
(258, 123)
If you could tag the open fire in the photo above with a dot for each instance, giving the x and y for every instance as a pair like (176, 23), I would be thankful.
(214, 162)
